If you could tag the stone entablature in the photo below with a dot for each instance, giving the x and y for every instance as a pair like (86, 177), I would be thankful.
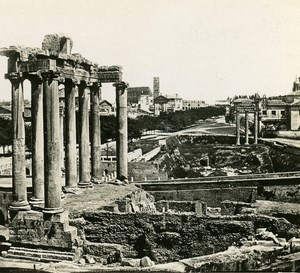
(65, 66)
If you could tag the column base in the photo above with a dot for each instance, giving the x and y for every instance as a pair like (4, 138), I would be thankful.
(20, 206)
(85, 184)
(36, 201)
(52, 210)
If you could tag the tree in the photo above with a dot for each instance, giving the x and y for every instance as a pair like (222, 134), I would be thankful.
(6, 133)
(135, 129)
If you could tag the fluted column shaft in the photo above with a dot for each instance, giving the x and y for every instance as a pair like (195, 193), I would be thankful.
(70, 133)
(122, 128)
(52, 145)
(19, 189)
(61, 125)
(37, 125)
(96, 133)
(84, 151)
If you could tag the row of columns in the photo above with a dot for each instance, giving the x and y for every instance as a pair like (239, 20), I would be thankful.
(238, 125)
(46, 139)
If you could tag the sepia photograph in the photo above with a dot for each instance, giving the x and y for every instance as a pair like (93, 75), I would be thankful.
(149, 136)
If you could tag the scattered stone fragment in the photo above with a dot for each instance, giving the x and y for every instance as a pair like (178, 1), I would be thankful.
(115, 257)
(71, 190)
(146, 262)
(89, 259)
(81, 261)
(131, 262)
(4, 253)
(267, 235)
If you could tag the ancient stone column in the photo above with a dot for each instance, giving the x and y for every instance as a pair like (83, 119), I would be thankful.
(256, 127)
(96, 133)
(61, 125)
(238, 134)
(70, 133)
(19, 198)
(122, 128)
(246, 128)
(37, 135)
(52, 145)
(84, 149)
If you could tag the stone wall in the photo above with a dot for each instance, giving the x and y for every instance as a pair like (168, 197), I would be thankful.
(181, 206)
(141, 170)
(212, 197)
(30, 228)
(282, 193)
(134, 154)
(170, 237)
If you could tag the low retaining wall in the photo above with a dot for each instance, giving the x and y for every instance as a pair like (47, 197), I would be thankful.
(212, 197)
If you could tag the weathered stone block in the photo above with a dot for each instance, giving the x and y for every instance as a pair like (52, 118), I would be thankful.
(4, 233)
(56, 43)
(295, 245)
(146, 262)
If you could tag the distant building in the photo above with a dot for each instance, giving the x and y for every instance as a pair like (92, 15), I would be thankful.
(192, 104)
(106, 108)
(134, 93)
(295, 116)
(160, 105)
(296, 84)
(174, 103)
(168, 103)
(156, 92)
(145, 103)
(276, 110)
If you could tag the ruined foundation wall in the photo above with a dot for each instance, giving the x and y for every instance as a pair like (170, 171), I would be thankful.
(169, 237)
(31, 228)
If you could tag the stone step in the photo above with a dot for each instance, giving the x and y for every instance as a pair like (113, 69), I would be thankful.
(71, 253)
(40, 254)
(37, 259)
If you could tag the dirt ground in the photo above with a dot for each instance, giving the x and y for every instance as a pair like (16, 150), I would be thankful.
(96, 197)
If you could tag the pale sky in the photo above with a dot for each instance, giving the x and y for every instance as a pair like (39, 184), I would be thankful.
(206, 50)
